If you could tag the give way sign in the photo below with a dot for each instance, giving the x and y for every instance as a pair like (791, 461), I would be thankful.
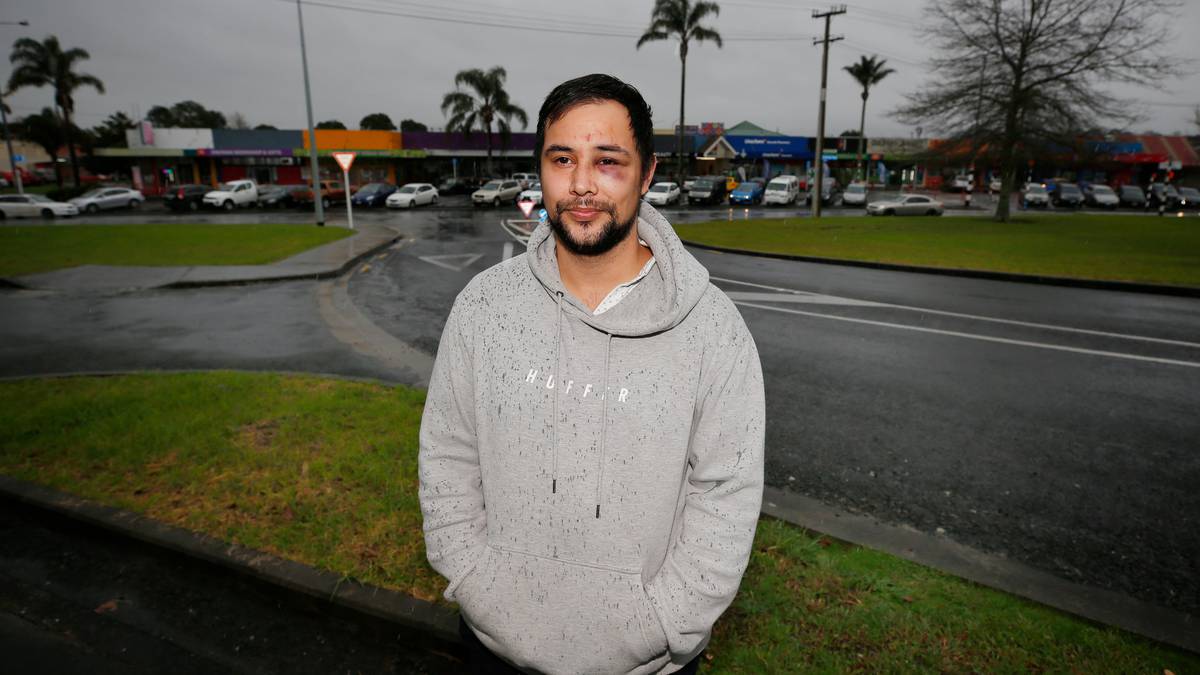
(344, 159)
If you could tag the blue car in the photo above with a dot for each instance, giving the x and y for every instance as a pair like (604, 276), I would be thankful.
(748, 192)
(372, 195)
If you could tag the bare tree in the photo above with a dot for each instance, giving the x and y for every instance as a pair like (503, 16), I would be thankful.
(1016, 75)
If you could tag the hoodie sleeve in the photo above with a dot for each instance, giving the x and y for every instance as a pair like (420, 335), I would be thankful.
(451, 492)
(705, 563)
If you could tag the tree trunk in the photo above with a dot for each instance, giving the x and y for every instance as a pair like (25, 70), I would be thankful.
(682, 88)
(67, 131)
(862, 137)
(489, 151)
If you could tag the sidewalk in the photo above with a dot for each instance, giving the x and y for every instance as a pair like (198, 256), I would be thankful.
(329, 260)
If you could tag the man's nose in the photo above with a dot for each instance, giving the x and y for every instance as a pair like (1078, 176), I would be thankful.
(583, 179)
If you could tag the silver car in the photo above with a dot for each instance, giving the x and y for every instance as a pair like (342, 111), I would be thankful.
(104, 198)
(32, 206)
(908, 205)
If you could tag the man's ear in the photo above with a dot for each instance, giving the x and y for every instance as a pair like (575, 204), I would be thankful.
(649, 174)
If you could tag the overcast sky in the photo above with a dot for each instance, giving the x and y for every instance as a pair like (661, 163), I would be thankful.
(244, 56)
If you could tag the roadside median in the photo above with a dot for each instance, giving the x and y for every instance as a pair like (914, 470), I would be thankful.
(321, 473)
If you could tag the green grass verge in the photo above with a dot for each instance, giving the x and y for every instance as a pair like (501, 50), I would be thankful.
(1085, 246)
(324, 472)
(27, 249)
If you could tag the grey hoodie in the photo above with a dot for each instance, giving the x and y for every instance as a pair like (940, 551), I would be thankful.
(591, 484)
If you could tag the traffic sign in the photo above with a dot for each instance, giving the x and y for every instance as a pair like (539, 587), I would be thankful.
(18, 158)
(344, 159)
(526, 206)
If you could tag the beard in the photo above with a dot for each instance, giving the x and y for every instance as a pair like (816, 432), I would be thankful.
(609, 235)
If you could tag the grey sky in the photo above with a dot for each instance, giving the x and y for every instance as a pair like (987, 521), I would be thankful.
(243, 55)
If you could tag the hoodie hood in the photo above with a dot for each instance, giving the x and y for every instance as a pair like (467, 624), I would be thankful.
(664, 298)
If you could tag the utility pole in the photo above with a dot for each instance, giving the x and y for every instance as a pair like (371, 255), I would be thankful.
(314, 165)
(820, 158)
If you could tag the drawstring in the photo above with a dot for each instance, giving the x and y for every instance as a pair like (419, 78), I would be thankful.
(554, 395)
(603, 426)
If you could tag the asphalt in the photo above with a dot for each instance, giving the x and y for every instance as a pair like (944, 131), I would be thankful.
(1044, 426)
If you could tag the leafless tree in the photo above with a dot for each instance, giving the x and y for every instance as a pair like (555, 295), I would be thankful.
(1019, 75)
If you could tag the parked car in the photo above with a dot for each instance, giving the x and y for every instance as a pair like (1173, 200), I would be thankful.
(1066, 195)
(277, 196)
(748, 192)
(104, 198)
(829, 191)
(372, 195)
(855, 195)
(907, 205)
(961, 183)
(233, 195)
(525, 179)
(456, 186)
(1131, 196)
(332, 193)
(994, 185)
(708, 190)
(663, 194)
(1189, 198)
(1100, 196)
(1035, 194)
(1164, 194)
(34, 206)
(412, 195)
(496, 191)
(689, 182)
(186, 197)
(782, 190)
(531, 194)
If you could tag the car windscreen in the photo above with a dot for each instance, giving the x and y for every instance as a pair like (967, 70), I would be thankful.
(491, 186)
(704, 184)
(91, 193)
(855, 189)
(536, 186)
(226, 187)
(780, 185)
(1069, 189)
(1102, 190)
(41, 199)
(408, 189)
(1132, 191)
(1037, 190)
(661, 187)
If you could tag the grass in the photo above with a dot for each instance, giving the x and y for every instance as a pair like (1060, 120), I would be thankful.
(1125, 248)
(324, 472)
(28, 249)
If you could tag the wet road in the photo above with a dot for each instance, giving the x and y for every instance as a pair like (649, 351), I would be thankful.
(74, 599)
(1056, 426)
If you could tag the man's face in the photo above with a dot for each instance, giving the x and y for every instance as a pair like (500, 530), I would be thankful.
(591, 177)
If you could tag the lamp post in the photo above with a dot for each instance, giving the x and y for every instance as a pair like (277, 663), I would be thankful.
(314, 166)
(4, 120)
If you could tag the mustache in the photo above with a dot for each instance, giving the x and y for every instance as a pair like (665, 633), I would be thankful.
(564, 205)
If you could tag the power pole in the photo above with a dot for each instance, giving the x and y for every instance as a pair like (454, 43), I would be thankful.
(820, 154)
(313, 161)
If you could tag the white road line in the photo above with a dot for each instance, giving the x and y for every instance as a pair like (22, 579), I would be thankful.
(508, 250)
(972, 336)
(1013, 322)
(460, 260)
(805, 298)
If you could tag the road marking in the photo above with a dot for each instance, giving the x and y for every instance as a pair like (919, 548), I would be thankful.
(1013, 322)
(806, 298)
(508, 250)
(973, 336)
(455, 262)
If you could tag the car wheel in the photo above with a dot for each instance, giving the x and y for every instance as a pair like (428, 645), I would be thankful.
(192, 206)
(932, 212)
(228, 205)
(433, 202)
(3, 215)
(496, 202)
(47, 213)
(133, 203)
(324, 202)
(91, 208)
(889, 212)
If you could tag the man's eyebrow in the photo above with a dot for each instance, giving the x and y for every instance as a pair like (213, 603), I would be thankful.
(558, 148)
(602, 148)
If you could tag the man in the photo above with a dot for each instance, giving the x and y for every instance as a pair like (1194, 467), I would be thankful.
(592, 446)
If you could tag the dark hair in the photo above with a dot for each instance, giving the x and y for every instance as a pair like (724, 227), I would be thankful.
(597, 88)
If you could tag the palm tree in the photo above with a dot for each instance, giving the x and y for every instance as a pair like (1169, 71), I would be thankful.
(45, 129)
(867, 72)
(681, 19)
(488, 104)
(45, 64)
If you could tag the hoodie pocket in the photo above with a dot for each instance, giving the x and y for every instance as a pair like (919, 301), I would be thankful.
(549, 615)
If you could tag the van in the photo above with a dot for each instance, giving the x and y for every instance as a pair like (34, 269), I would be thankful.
(525, 179)
(782, 190)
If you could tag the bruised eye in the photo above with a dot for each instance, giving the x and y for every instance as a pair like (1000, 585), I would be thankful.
(562, 160)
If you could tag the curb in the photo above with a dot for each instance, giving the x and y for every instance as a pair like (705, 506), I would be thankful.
(439, 622)
(1097, 284)
(212, 283)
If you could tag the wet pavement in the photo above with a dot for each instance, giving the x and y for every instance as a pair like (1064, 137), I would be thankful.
(75, 599)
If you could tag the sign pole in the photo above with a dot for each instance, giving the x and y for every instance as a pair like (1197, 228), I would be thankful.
(344, 160)
(349, 212)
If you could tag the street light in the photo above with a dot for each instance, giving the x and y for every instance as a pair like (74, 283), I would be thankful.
(12, 162)
(312, 135)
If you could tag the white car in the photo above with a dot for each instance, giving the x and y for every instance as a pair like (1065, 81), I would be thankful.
(496, 191)
(532, 194)
(855, 195)
(412, 195)
(232, 195)
(962, 183)
(99, 199)
(663, 194)
(782, 190)
(994, 186)
(1102, 196)
(32, 206)
(1035, 195)
(908, 205)
(525, 179)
